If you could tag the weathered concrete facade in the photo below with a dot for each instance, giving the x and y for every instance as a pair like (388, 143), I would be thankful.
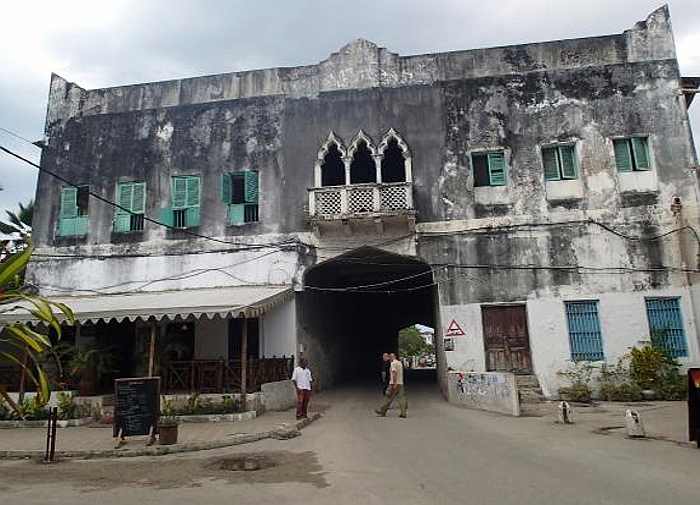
(531, 242)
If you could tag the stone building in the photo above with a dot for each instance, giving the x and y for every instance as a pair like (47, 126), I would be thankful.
(535, 204)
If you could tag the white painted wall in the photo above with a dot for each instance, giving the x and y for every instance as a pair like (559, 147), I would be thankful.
(211, 338)
(278, 331)
(623, 323)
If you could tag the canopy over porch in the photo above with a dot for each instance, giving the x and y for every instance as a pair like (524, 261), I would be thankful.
(236, 301)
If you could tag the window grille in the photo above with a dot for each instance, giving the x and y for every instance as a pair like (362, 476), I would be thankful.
(584, 331)
(666, 325)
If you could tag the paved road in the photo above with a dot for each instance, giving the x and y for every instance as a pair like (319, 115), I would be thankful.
(440, 454)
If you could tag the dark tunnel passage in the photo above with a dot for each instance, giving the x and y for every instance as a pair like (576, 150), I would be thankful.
(353, 307)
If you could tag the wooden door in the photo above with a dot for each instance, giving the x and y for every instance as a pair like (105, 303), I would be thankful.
(506, 339)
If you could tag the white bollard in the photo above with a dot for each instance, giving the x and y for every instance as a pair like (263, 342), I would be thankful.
(564, 414)
(635, 426)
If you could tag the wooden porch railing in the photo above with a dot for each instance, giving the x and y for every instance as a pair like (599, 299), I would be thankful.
(221, 376)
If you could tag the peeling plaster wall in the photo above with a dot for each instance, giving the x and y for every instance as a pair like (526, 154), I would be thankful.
(445, 106)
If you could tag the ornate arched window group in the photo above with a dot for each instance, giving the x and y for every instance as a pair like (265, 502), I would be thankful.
(363, 162)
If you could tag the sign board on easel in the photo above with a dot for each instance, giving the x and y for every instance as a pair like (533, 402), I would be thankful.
(136, 407)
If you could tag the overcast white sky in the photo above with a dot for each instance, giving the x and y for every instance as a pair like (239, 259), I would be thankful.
(109, 43)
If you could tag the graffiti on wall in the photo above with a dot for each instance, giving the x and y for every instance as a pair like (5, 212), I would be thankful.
(481, 389)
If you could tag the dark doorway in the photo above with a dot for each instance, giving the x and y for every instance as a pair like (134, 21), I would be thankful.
(353, 306)
(333, 168)
(506, 339)
(363, 168)
(235, 327)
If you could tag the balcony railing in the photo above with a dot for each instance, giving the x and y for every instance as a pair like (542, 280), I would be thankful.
(361, 200)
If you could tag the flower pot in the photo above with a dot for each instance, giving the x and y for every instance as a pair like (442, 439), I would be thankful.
(167, 435)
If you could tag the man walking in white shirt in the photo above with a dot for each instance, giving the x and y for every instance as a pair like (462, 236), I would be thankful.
(395, 388)
(301, 377)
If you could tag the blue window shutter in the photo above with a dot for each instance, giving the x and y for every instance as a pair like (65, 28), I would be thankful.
(226, 193)
(623, 155)
(167, 217)
(192, 217)
(666, 325)
(584, 331)
(568, 162)
(69, 207)
(640, 148)
(251, 186)
(179, 195)
(192, 198)
(551, 164)
(497, 169)
(236, 213)
(138, 198)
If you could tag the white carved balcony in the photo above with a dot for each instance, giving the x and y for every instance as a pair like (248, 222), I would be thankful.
(373, 202)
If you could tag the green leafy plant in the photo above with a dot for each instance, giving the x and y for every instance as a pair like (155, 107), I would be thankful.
(579, 374)
(615, 384)
(194, 403)
(24, 347)
(168, 415)
(652, 368)
(66, 405)
(89, 365)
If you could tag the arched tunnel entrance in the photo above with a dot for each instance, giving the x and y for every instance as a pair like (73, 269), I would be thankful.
(353, 307)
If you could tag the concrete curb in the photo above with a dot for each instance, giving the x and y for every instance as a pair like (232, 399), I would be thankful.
(43, 423)
(160, 450)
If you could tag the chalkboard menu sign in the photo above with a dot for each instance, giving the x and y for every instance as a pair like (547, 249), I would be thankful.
(694, 404)
(136, 406)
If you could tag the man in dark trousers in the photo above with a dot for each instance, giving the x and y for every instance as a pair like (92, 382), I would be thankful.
(386, 372)
(301, 377)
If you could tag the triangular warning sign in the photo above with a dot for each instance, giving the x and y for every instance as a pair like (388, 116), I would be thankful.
(454, 329)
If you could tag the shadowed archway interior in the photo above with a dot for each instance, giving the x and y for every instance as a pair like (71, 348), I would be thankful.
(353, 307)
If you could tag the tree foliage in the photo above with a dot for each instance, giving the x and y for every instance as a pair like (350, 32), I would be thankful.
(21, 345)
(18, 227)
(412, 343)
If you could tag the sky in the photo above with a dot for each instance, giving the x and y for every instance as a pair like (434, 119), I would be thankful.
(117, 42)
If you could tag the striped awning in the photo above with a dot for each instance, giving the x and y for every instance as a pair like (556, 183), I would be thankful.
(236, 301)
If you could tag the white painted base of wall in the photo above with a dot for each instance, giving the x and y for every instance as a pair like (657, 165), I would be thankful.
(623, 322)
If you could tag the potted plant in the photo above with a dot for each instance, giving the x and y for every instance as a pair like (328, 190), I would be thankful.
(89, 365)
(168, 424)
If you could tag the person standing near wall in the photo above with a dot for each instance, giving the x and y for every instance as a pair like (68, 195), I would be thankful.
(301, 377)
(386, 373)
(396, 388)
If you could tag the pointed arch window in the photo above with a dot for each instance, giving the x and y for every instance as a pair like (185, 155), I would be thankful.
(393, 163)
(333, 168)
(362, 169)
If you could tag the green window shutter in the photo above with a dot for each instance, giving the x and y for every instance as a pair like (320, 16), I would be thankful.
(69, 207)
(166, 216)
(641, 153)
(226, 193)
(125, 193)
(623, 156)
(251, 186)
(122, 223)
(568, 162)
(80, 225)
(66, 226)
(236, 213)
(179, 195)
(497, 169)
(192, 198)
(138, 198)
(192, 217)
(551, 164)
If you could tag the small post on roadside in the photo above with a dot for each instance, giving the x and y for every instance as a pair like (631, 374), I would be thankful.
(51, 436)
